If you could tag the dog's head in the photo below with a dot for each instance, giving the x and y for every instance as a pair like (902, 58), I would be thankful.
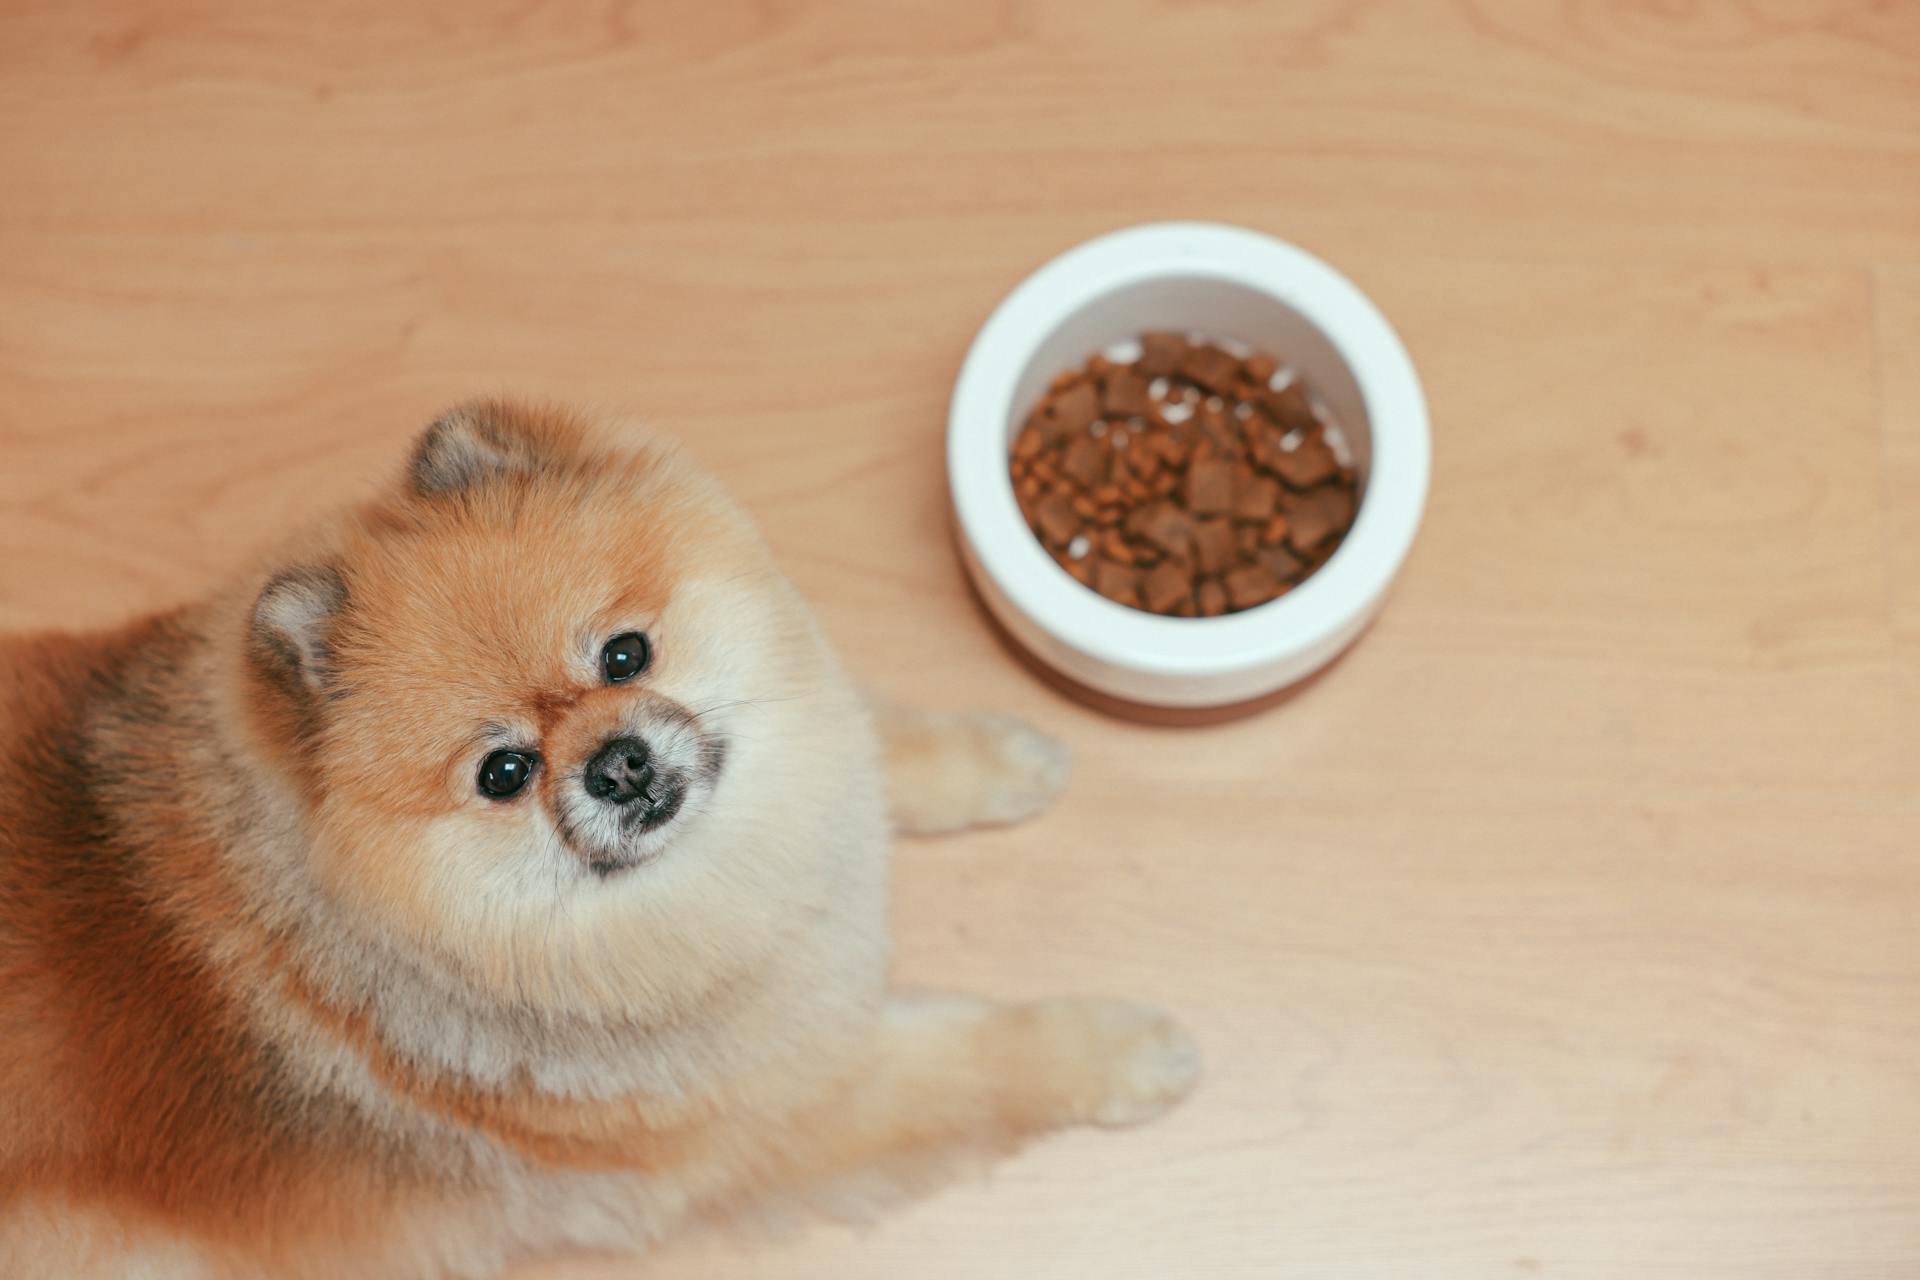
(552, 701)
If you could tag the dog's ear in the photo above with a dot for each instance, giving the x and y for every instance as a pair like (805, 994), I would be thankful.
(294, 623)
(470, 445)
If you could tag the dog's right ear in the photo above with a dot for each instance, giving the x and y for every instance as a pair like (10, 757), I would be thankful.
(293, 628)
(469, 445)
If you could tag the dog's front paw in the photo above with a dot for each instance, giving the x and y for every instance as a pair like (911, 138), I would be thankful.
(1112, 1063)
(953, 770)
(1022, 771)
(1155, 1065)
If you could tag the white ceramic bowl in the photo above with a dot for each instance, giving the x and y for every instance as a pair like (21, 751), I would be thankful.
(1228, 283)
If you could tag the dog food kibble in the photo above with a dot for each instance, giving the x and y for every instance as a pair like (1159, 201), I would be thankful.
(1212, 368)
(1213, 546)
(1184, 480)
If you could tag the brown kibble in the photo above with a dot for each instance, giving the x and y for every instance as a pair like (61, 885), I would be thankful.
(1162, 524)
(1084, 507)
(1086, 462)
(1082, 570)
(1165, 483)
(1309, 463)
(1211, 367)
(1177, 434)
(1275, 533)
(1282, 563)
(1263, 441)
(1185, 609)
(1219, 428)
(1249, 424)
(1028, 489)
(1211, 598)
(1028, 444)
(1043, 470)
(1114, 544)
(1213, 545)
(1144, 461)
(1075, 409)
(1166, 586)
(1249, 585)
(1247, 539)
(1057, 522)
(1108, 515)
(1161, 354)
(1063, 381)
(1255, 497)
(1260, 368)
(1289, 407)
(1117, 582)
(1317, 516)
(1107, 494)
(1125, 395)
(1209, 488)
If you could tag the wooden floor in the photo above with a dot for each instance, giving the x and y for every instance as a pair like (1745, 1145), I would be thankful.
(1571, 928)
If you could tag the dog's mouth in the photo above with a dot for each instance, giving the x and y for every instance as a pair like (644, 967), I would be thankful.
(659, 801)
(656, 809)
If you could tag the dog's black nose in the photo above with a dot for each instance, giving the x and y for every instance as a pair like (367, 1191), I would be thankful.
(619, 772)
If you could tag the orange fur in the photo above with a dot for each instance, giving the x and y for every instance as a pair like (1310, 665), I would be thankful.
(281, 991)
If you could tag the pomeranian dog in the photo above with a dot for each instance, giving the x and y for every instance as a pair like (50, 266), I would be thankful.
(500, 869)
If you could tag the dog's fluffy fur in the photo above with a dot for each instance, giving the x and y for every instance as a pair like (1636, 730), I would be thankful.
(282, 993)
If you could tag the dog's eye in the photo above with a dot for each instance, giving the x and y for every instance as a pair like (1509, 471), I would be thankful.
(503, 773)
(625, 657)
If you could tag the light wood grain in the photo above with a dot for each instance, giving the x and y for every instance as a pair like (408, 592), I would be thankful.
(1571, 928)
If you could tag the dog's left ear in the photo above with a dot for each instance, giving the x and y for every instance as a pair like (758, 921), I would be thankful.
(473, 444)
(293, 628)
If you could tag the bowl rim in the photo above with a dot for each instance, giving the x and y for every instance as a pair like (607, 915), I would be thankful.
(1347, 587)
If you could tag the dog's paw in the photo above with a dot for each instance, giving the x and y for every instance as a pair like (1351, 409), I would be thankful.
(949, 771)
(1022, 771)
(1155, 1065)
(1116, 1064)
